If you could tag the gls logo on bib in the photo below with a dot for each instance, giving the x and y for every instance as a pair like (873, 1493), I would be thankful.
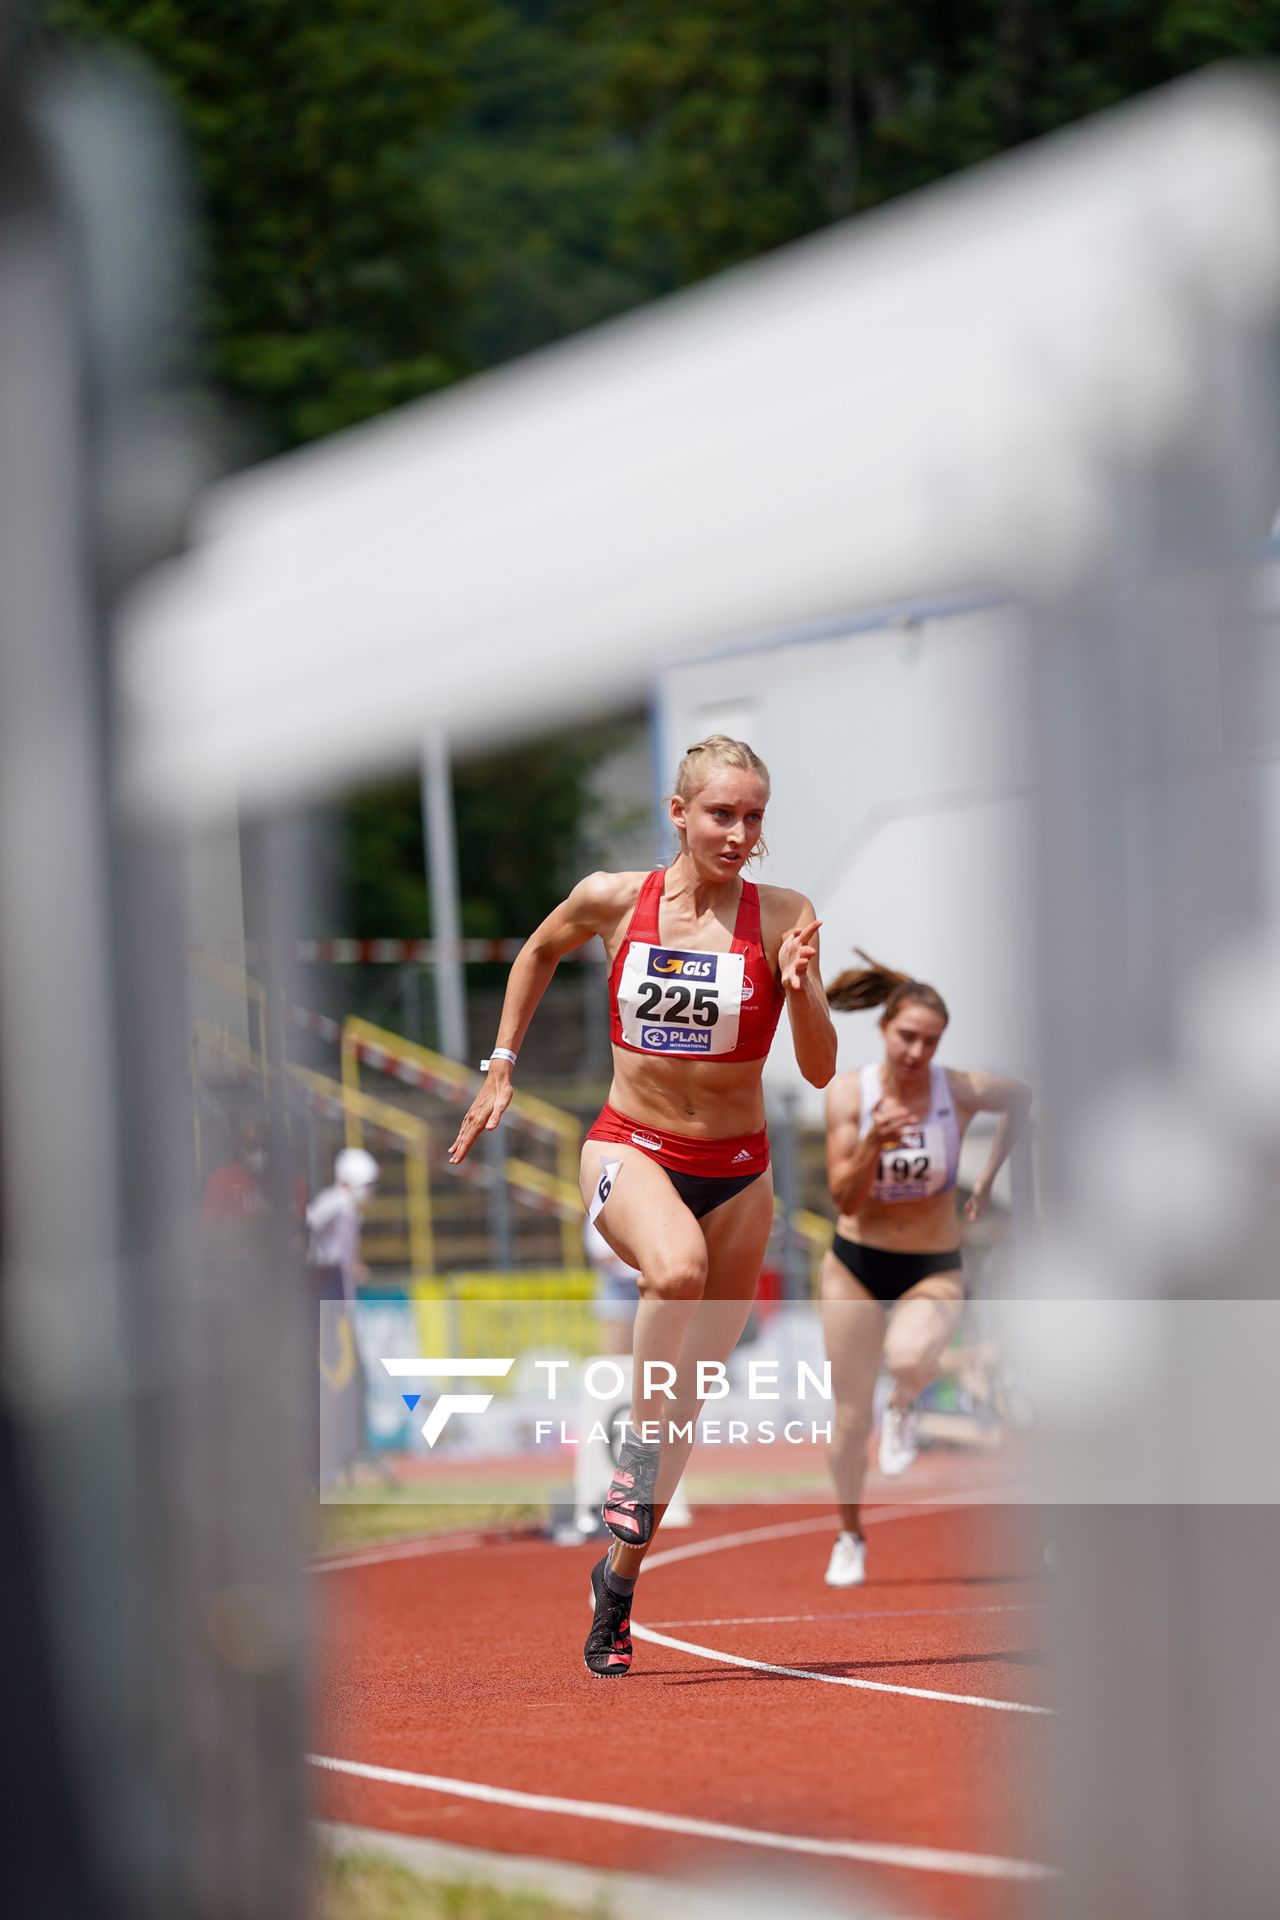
(685, 966)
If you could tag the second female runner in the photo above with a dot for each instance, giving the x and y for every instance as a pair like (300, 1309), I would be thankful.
(675, 1171)
(893, 1283)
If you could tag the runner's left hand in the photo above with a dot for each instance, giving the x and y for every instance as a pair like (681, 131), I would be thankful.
(795, 953)
(977, 1200)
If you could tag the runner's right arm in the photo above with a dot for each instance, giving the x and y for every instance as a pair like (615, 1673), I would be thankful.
(853, 1156)
(595, 906)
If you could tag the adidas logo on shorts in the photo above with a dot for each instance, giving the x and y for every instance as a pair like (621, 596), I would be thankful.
(738, 1157)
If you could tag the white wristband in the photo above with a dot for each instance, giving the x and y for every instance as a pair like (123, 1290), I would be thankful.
(499, 1053)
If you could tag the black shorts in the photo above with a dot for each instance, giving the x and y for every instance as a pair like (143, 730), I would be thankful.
(887, 1276)
(702, 1192)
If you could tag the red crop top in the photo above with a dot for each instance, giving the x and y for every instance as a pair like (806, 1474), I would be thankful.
(687, 1005)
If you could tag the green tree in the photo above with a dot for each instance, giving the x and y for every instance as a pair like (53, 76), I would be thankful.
(520, 844)
(752, 124)
(527, 188)
(401, 191)
(311, 123)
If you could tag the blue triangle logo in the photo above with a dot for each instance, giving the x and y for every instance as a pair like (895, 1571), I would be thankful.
(411, 1400)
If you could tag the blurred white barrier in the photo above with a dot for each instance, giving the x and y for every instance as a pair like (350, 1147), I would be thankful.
(935, 396)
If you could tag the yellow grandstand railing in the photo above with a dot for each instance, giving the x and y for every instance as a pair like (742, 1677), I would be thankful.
(415, 1065)
(206, 1038)
(814, 1229)
(207, 1035)
(551, 1192)
(418, 1066)
(243, 986)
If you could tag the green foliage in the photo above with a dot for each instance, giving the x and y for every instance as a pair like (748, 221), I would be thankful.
(520, 843)
(400, 191)
(311, 123)
(399, 1513)
(376, 875)
(752, 124)
(519, 831)
(528, 189)
(367, 1886)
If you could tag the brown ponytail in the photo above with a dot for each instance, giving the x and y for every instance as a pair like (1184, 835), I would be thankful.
(876, 985)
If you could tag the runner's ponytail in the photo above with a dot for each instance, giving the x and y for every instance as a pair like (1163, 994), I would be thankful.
(875, 985)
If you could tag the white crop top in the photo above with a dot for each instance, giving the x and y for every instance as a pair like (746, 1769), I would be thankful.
(925, 1161)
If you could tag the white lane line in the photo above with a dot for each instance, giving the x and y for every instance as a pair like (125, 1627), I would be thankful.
(694, 1549)
(823, 1523)
(830, 1679)
(411, 1549)
(719, 1542)
(376, 1553)
(979, 1866)
(849, 1614)
(416, 1545)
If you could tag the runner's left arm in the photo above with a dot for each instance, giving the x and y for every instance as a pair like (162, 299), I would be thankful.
(1011, 1099)
(812, 1034)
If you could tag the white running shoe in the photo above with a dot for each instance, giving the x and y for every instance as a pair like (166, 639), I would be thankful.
(899, 1443)
(678, 1513)
(847, 1566)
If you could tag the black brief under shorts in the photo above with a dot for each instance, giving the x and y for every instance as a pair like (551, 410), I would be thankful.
(889, 1275)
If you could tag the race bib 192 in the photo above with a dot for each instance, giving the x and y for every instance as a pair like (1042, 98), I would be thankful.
(672, 1002)
(914, 1167)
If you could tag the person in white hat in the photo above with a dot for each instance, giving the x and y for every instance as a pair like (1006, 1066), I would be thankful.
(333, 1219)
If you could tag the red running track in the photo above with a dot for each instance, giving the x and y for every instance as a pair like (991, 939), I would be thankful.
(458, 1662)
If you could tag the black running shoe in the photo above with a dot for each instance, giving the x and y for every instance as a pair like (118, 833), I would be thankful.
(628, 1505)
(608, 1649)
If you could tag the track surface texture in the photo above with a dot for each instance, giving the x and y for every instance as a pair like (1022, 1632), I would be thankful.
(456, 1663)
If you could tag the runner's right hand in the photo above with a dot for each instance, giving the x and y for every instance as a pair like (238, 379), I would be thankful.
(889, 1120)
(485, 1111)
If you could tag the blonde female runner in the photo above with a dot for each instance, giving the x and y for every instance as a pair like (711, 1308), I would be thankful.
(675, 1171)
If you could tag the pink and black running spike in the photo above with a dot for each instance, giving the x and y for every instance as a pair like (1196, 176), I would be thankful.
(628, 1505)
(608, 1650)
